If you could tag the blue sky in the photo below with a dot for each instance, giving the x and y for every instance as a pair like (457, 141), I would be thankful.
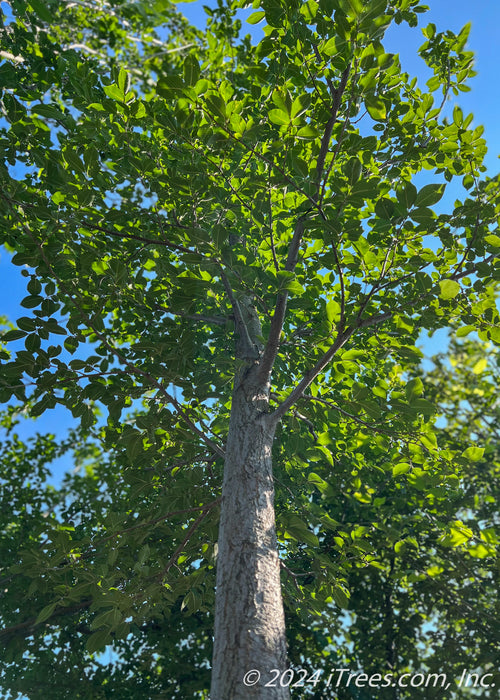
(482, 101)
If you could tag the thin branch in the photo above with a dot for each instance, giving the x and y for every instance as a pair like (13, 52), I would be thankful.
(29, 624)
(10, 57)
(356, 419)
(179, 549)
(271, 233)
(311, 375)
(217, 320)
(155, 521)
(252, 152)
(277, 321)
(142, 239)
(308, 422)
(446, 90)
(293, 577)
(340, 138)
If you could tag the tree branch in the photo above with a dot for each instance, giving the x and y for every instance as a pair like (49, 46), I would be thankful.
(325, 141)
(356, 419)
(179, 549)
(28, 625)
(273, 340)
(147, 523)
(248, 350)
(311, 375)
(217, 320)
(135, 237)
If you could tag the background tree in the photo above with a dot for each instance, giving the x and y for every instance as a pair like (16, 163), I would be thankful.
(233, 247)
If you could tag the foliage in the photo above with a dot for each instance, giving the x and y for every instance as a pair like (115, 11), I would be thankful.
(162, 185)
(408, 610)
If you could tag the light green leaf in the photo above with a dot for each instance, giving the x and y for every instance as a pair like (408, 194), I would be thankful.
(449, 289)
(124, 81)
(480, 365)
(414, 388)
(191, 70)
(376, 108)
(322, 485)
(473, 454)
(493, 240)
(277, 116)
(401, 468)
(256, 17)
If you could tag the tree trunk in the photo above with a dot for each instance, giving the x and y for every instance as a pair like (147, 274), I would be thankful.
(249, 617)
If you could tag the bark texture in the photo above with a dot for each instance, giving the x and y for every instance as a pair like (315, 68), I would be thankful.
(249, 619)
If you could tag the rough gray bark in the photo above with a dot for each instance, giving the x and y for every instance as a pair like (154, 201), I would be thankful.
(249, 617)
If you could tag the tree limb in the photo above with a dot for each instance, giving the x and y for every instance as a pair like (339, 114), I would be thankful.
(311, 375)
(248, 349)
(273, 340)
(325, 141)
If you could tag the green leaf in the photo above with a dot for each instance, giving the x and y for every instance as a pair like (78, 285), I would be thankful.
(256, 17)
(97, 641)
(473, 454)
(492, 240)
(124, 81)
(385, 208)
(322, 485)
(449, 289)
(41, 10)
(429, 194)
(341, 596)
(333, 311)
(407, 195)
(353, 169)
(32, 301)
(401, 468)
(134, 446)
(414, 388)
(277, 116)
(114, 92)
(44, 614)
(170, 85)
(457, 535)
(216, 105)
(297, 529)
(191, 70)
(10, 336)
(480, 365)
(376, 108)
(307, 132)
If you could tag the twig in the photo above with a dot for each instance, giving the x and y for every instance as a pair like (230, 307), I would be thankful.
(179, 549)
(334, 407)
